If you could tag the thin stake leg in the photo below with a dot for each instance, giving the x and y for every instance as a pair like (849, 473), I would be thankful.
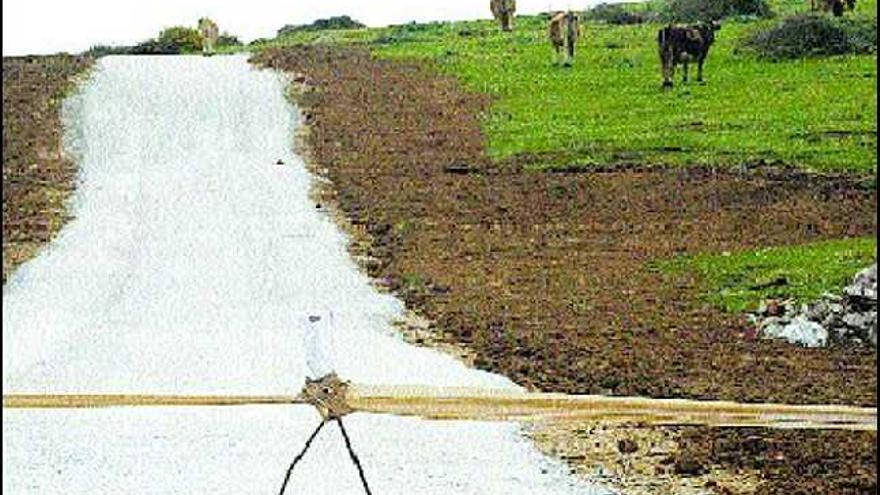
(300, 456)
(354, 457)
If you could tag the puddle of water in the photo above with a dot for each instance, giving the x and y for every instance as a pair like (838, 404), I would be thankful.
(196, 265)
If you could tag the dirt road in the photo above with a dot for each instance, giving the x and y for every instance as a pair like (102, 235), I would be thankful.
(195, 265)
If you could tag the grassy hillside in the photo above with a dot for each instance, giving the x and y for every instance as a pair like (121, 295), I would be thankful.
(816, 113)
(740, 281)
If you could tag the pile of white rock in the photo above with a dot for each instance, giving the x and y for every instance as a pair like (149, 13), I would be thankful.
(847, 319)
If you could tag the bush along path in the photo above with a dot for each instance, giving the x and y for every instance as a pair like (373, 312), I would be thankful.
(544, 276)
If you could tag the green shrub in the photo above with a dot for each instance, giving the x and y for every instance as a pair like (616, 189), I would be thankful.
(709, 10)
(227, 39)
(815, 35)
(619, 14)
(156, 47)
(102, 50)
(184, 38)
(149, 47)
(338, 22)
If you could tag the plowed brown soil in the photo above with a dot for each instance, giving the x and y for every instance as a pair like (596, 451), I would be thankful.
(546, 277)
(37, 178)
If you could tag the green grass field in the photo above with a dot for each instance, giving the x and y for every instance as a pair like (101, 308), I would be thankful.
(817, 113)
(740, 281)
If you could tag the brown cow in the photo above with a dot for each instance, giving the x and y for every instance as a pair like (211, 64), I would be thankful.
(684, 44)
(503, 11)
(564, 30)
(209, 32)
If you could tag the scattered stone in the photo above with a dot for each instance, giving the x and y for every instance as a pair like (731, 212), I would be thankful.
(864, 286)
(847, 319)
(279, 162)
(800, 331)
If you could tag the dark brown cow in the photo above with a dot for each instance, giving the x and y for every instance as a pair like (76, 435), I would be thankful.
(836, 7)
(685, 44)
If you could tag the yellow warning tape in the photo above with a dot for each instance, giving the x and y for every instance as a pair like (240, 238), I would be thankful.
(486, 405)
(504, 405)
(78, 401)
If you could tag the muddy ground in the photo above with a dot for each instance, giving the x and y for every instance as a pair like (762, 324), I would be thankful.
(37, 178)
(545, 277)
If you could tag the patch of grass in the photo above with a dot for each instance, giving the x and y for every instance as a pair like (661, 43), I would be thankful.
(609, 106)
(816, 113)
(738, 282)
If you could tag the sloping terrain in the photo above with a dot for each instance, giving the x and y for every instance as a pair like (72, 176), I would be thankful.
(547, 277)
(198, 264)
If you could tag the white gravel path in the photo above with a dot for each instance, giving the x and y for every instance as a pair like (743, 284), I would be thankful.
(192, 266)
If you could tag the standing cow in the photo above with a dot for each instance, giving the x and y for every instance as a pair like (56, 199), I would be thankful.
(836, 7)
(503, 11)
(564, 30)
(209, 32)
(684, 44)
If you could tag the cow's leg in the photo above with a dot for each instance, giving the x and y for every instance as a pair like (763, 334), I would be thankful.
(569, 53)
(684, 64)
(700, 70)
(665, 67)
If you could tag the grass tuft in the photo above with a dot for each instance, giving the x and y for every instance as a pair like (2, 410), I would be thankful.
(738, 282)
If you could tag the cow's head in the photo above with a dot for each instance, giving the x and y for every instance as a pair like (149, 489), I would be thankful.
(707, 31)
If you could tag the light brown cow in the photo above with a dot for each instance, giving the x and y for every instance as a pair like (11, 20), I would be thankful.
(564, 30)
(503, 11)
(209, 32)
